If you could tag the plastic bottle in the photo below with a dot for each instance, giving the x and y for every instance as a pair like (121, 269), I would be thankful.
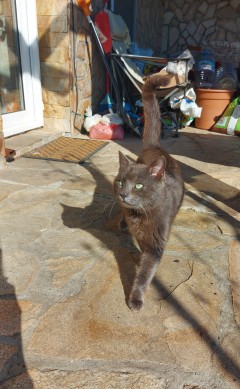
(226, 77)
(205, 70)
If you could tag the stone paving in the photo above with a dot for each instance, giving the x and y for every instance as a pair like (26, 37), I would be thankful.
(66, 272)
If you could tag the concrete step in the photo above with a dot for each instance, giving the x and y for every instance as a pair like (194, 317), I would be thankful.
(20, 144)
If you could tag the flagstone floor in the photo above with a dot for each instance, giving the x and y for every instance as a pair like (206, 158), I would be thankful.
(66, 271)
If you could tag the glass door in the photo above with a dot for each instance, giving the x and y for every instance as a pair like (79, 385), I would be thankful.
(20, 88)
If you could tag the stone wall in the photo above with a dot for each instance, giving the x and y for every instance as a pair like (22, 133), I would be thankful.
(55, 57)
(186, 23)
(190, 23)
(70, 63)
(87, 67)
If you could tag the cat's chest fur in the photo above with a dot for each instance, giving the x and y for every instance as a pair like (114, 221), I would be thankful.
(146, 227)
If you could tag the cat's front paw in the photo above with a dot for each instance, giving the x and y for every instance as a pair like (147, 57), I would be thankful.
(135, 301)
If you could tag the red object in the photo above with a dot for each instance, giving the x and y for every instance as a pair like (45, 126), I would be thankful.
(102, 25)
(106, 132)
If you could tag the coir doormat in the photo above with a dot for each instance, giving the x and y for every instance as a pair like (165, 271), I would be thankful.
(66, 149)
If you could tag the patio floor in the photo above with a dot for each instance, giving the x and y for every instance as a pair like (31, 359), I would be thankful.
(65, 272)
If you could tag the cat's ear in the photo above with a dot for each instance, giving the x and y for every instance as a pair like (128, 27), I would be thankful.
(123, 160)
(157, 168)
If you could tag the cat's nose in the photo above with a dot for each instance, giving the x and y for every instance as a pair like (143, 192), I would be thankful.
(123, 196)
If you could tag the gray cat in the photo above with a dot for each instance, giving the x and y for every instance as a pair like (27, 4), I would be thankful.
(150, 192)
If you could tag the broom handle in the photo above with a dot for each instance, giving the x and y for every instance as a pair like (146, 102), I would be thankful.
(107, 75)
(109, 70)
(107, 83)
(85, 5)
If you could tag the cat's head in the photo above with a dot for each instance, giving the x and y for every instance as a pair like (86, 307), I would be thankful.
(139, 186)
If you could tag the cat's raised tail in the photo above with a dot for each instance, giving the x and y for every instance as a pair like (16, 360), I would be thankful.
(152, 122)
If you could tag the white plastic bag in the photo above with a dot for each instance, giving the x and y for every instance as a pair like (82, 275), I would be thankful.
(111, 118)
(91, 121)
(190, 108)
(181, 67)
(188, 105)
(175, 99)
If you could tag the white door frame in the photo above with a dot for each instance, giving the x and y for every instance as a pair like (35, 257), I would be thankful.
(32, 117)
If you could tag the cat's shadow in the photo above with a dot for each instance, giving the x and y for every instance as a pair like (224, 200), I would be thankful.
(101, 218)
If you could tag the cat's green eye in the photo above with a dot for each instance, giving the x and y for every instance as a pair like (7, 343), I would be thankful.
(139, 186)
(120, 183)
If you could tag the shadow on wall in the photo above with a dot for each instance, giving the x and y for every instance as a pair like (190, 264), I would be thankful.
(12, 362)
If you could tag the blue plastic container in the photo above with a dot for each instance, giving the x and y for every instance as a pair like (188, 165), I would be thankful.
(205, 70)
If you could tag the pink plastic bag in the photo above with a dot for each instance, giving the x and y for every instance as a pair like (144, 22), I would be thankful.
(106, 131)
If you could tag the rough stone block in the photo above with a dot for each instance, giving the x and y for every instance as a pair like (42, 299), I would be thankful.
(56, 84)
(78, 121)
(57, 70)
(44, 22)
(53, 23)
(56, 111)
(53, 39)
(62, 124)
(51, 97)
(87, 91)
(59, 24)
(54, 7)
(83, 105)
(6, 8)
(81, 68)
(226, 13)
(81, 50)
(54, 55)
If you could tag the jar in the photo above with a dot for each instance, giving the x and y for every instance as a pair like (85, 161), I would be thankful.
(205, 70)
(226, 77)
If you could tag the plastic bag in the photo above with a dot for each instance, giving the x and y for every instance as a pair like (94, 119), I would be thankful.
(106, 132)
(175, 99)
(190, 108)
(181, 67)
(111, 118)
(229, 122)
(188, 105)
(91, 121)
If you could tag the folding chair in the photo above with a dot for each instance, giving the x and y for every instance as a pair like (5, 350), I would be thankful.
(124, 68)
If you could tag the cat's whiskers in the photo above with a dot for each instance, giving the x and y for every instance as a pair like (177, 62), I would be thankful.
(111, 208)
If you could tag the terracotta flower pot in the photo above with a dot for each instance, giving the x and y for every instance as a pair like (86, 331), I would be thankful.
(213, 103)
